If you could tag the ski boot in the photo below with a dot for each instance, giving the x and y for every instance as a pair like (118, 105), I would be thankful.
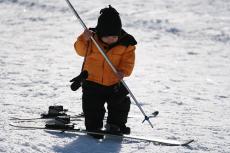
(55, 111)
(94, 135)
(125, 130)
(60, 122)
(116, 130)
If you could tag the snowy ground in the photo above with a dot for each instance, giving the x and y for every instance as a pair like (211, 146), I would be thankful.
(182, 70)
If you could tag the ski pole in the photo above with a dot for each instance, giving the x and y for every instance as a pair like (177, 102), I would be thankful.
(146, 118)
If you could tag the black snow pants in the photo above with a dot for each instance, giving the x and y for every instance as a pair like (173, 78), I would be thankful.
(94, 98)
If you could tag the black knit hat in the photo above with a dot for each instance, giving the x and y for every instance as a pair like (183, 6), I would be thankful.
(109, 23)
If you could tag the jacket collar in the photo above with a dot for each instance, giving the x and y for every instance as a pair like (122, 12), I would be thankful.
(125, 39)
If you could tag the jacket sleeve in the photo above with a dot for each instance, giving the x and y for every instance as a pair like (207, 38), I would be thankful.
(81, 45)
(127, 61)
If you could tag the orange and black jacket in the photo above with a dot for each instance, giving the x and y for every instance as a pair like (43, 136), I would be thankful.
(121, 54)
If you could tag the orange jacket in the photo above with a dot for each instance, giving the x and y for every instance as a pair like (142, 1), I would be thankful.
(121, 55)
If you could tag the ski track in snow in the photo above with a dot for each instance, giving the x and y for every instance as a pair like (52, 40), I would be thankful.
(182, 69)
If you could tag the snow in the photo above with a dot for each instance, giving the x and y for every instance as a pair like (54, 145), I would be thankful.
(182, 70)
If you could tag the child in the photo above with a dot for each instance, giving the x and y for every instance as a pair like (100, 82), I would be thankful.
(103, 85)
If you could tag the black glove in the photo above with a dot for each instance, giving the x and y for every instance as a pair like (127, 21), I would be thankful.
(78, 80)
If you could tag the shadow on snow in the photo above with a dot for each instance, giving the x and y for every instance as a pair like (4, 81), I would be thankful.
(85, 144)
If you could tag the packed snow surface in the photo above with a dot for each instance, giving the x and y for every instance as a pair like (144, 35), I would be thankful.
(182, 70)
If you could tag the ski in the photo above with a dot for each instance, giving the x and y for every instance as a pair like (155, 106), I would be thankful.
(157, 141)
(77, 117)
(48, 116)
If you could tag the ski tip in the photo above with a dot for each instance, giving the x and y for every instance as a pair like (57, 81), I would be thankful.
(187, 143)
(155, 113)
